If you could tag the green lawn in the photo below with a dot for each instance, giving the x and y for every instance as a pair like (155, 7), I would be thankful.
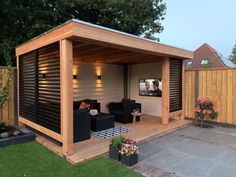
(32, 159)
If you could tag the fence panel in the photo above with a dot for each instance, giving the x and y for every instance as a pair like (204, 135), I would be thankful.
(219, 85)
(8, 112)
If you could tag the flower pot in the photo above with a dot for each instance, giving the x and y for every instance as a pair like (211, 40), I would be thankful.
(129, 160)
(114, 153)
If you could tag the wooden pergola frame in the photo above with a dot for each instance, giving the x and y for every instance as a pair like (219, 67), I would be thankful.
(75, 30)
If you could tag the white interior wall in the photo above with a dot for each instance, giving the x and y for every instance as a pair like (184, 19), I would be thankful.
(150, 105)
(109, 88)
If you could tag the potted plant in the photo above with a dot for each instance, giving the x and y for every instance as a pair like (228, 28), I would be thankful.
(115, 146)
(129, 153)
(205, 110)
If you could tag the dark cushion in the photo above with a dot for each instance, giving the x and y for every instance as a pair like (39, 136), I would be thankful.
(76, 104)
(93, 103)
(114, 111)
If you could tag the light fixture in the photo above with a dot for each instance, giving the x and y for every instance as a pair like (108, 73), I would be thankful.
(74, 77)
(99, 77)
(44, 76)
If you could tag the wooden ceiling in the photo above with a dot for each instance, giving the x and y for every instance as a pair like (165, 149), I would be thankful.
(88, 52)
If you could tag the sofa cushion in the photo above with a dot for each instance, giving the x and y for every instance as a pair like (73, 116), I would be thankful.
(76, 104)
(84, 105)
(114, 111)
(92, 103)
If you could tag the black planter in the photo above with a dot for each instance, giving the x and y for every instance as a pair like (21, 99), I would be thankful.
(114, 153)
(129, 160)
(17, 139)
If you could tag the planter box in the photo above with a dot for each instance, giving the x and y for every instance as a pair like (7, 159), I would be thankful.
(114, 153)
(129, 160)
(26, 136)
(17, 140)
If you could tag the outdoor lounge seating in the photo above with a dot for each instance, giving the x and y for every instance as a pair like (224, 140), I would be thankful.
(93, 104)
(82, 125)
(102, 121)
(98, 122)
(122, 110)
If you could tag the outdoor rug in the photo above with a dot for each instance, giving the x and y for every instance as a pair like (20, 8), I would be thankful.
(111, 132)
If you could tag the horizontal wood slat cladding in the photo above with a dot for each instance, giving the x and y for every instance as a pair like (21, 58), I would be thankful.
(40, 86)
(150, 105)
(216, 84)
(109, 88)
(87, 52)
(175, 85)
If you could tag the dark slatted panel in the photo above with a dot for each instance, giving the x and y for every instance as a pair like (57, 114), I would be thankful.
(49, 87)
(27, 84)
(39, 96)
(175, 85)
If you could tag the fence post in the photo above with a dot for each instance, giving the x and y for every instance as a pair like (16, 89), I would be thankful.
(15, 98)
(196, 86)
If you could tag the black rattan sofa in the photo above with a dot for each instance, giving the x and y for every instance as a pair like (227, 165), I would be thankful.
(122, 110)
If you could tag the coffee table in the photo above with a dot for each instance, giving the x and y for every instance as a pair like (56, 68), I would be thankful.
(135, 115)
(102, 121)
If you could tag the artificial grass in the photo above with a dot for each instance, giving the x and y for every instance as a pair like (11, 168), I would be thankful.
(34, 160)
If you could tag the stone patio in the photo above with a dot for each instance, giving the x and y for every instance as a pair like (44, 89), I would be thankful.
(190, 152)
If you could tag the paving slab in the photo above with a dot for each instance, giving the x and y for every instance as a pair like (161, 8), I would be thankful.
(147, 150)
(192, 152)
(149, 170)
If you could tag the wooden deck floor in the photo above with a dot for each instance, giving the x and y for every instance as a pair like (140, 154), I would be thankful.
(149, 128)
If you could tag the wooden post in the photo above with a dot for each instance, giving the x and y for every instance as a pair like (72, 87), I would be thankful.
(165, 91)
(18, 89)
(182, 116)
(66, 64)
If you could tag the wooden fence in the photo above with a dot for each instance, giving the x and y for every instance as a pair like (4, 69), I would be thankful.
(219, 85)
(8, 112)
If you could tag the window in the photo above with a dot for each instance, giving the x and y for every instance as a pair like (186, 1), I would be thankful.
(206, 63)
(189, 63)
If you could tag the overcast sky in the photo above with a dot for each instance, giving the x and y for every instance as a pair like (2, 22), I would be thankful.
(190, 23)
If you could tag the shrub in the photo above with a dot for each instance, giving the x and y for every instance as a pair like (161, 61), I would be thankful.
(118, 141)
(205, 109)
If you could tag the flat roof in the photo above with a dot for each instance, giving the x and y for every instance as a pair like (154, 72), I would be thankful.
(81, 30)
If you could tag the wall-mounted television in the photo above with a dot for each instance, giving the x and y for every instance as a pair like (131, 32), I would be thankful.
(150, 87)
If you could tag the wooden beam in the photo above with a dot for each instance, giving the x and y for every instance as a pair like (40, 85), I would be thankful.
(102, 52)
(58, 33)
(86, 32)
(176, 113)
(165, 91)
(41, 129)
(111, 38)
(66, 65)
(86, 50)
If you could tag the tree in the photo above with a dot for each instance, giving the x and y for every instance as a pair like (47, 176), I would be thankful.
(232, 57)
(22, 20)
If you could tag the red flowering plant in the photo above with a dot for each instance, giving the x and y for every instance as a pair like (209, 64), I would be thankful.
(129, 148)
(205, 109)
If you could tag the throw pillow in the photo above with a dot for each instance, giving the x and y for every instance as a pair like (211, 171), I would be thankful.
(84, 105)
(92, 103)
(93, 112)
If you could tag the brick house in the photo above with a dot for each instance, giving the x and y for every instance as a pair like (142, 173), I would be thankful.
(207, 57)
